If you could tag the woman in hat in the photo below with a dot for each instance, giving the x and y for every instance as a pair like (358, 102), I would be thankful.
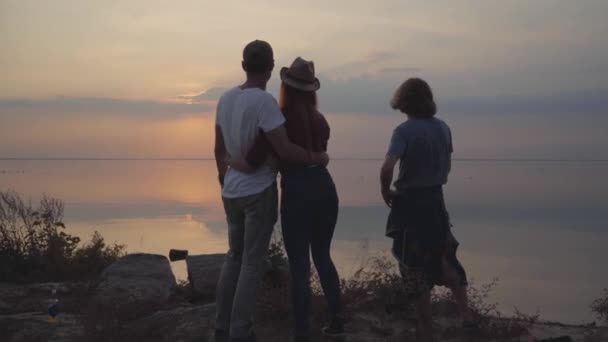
(309, 201)
(418, 221)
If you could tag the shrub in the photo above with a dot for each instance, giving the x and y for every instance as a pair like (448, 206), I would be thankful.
(273, 302)
(95, 255)
(600, 307)
(377, 283)
(478, 299)
(35, 247)
(276, 253)
(492, 323)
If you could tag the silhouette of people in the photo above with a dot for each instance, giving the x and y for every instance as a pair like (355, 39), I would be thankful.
(309, 201)
(418, 222)
(250, 199)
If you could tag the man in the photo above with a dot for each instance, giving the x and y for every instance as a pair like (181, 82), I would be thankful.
(250, 199)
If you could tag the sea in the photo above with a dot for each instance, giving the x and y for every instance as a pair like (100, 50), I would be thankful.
(536, 226)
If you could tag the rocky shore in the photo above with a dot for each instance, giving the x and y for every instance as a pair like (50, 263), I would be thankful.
(138, 299)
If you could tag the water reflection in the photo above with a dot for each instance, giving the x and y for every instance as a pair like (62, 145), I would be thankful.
(539, 227)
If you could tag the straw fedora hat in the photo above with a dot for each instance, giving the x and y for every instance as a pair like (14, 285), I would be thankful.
(301, 75)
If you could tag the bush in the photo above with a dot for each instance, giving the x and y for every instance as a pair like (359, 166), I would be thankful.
(491, 322)
(276, 253)
(600, 307)
(377, 283)
(35, 247)
(478, 299)
(273, 302)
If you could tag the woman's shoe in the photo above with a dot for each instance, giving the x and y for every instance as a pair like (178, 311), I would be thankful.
(251, 338)
(470, 325)
(301, 338)
(557, 339)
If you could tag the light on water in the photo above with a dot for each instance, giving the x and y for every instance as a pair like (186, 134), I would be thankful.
(537, 226)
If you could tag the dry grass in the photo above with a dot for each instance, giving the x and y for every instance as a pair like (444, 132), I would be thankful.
(378, 287)
(600, 307)
(34, 246)
(376, 284)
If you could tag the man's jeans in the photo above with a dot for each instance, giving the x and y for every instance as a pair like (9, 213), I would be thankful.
(251, 220)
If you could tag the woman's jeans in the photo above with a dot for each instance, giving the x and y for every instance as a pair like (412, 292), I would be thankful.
(309, 211)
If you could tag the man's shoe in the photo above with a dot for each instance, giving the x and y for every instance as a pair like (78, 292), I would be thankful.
(335, 329)
(220, 335)
(251, 338)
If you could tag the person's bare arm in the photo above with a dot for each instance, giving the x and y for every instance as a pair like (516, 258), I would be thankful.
(291, 152)
(221, 155)
(254, 158)
(241, 165)
(386, 178)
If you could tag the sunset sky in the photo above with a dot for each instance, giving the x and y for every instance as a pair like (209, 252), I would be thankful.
(137, 79)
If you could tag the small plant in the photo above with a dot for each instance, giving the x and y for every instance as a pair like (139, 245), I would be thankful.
(276, 253)
(95, 255)
(479, 299)
(600, 307)
(35, 247)
(513, 326)
(377, 282)
(492, 323)
(273, 302)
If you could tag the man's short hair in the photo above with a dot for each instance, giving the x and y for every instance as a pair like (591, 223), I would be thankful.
(258, 57)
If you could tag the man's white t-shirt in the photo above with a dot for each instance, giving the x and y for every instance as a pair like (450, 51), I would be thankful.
(240, 114)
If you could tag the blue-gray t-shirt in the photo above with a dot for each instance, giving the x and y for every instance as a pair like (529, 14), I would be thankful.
(424, 147)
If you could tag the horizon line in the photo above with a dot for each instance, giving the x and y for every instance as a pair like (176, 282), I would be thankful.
(481, 159)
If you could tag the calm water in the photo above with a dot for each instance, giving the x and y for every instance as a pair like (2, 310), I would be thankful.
(537, 226)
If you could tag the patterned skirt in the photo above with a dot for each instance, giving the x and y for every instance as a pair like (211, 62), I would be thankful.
(423, 242)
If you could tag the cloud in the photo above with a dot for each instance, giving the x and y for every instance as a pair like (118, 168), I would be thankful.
(578, 102)
(96, 106)
(212, 94)
(369, 94)
(401, 70)
(365, 65)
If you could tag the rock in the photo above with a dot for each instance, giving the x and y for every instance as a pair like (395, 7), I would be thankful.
(135, 285)
(598, 336)
(182, 324)
(551, 330)
(35, 326)
(20, 298)
(203, 273)
(62, 289)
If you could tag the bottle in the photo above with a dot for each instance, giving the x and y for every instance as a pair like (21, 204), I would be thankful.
(53, 306)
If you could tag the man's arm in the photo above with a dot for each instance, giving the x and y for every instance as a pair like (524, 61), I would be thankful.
(386, 178)
(220, 154)
(291, 152)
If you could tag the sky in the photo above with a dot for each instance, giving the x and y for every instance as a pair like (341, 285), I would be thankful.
(140, 79)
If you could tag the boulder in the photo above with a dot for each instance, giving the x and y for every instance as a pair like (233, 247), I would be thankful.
(204, 271)
(203, 274)
(21, 298)
(543, 330)
(35, 326)
(135, 285)
(182, 324)
(598, 335)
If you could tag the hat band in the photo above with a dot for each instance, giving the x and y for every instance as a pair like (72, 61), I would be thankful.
(298, 79)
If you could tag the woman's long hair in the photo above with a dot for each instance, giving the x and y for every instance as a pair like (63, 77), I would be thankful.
(291, 99)
(298, 106)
